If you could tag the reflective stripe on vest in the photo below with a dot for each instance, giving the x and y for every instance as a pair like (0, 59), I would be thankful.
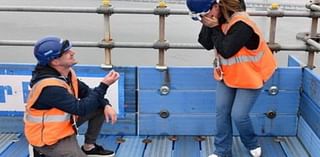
(241, 59)
(248, 69)
(47, 118)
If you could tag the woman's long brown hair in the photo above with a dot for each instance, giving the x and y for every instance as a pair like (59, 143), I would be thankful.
(228, 7)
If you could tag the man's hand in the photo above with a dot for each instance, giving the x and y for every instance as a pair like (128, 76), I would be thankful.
(111, 77)
(110, 114)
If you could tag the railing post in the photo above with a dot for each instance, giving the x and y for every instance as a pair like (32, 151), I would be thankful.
(161, 65)
(313, 33)
(273, 24)
(107, 35)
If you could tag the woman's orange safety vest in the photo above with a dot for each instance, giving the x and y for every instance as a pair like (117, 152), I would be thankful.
(47, 127)
(248, 69)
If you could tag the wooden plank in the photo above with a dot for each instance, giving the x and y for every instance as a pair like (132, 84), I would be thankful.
(204, 124)
(308, 138)
(200, 78)
(191, 101)
(186, 146)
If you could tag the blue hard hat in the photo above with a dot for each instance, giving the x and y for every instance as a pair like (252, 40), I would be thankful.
(50, 47)
(199, 6)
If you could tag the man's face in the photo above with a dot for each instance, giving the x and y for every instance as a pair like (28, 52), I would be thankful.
(67, 59)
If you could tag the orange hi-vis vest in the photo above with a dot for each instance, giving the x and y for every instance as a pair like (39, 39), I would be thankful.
(248, 69)
(47, 127)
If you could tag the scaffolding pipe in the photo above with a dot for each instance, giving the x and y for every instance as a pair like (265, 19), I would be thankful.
(156, 45)
(167, 11)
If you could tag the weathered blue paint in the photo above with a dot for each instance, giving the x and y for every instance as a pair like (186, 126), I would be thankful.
(294, 61)
(308, 138)
(191, 102)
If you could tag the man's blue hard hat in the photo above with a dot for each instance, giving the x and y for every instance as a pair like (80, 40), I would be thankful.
(49, 48)
(199, 6)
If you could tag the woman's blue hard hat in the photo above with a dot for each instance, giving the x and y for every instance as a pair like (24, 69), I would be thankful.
(199, 6)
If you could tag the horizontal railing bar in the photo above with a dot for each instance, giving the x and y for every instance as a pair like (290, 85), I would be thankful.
(153, 45)
(166, 11)
(313, 7)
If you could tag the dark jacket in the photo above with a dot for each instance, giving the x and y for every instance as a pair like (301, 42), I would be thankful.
(59, 97)
(239, 35)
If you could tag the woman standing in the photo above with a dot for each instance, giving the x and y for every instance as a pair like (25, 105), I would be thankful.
(242, 65)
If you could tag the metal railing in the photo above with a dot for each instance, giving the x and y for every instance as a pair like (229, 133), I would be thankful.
(162, 11)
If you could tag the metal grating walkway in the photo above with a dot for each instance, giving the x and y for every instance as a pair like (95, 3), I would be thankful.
(166, 146)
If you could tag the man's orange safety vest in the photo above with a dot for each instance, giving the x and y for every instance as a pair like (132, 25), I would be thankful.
(248, 69)
(47, 127)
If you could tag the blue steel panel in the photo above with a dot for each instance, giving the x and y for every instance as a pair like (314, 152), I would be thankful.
(177, 101)
(130, 81)
(160, 146)
(132, 147)
(186, 146)
(289, 78)
(281, 125)
(16, 69)
(238, 149)
(188, 101)
(87, 71)
(207, 146)
(283, 102)
(308, 137)
(293, 147)
(176, 124)
(311, 113)
(294, 62)
(271, 147)
(6, 140)
(12, 124)
(184, 78)
(204, 124)
(108, 142)
(124, 126)
(17, 149)
(311, 85)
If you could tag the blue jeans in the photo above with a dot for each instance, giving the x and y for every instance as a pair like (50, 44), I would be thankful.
(234, 104)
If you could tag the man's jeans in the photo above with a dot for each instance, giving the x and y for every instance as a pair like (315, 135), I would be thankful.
(235, 103)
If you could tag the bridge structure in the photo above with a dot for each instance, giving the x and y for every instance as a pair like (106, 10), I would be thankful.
(168, 111)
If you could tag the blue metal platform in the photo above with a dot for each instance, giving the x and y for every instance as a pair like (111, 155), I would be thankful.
(13, 145)
(141, 131)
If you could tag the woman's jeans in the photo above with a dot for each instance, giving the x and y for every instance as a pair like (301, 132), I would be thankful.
(234, 104)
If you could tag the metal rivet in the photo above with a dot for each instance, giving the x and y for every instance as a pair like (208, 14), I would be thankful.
(271, 114)
(273, 90)
(164, 113)
(164, 90)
